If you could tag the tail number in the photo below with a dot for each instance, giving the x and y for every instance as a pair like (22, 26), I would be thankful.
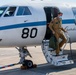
(26, 32)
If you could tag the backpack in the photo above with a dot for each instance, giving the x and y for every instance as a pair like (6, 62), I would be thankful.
(53, 42)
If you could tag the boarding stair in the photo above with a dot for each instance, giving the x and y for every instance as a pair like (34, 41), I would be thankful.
(51, 57)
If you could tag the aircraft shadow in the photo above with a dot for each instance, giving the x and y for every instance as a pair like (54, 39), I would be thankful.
(41, 70)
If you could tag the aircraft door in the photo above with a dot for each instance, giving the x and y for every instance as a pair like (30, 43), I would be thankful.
(51, 12)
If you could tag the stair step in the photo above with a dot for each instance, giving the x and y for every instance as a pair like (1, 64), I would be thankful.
(45, 41)
(61, 63)
(54, 52)
(60, 58)
(49, 54)
(51, 49)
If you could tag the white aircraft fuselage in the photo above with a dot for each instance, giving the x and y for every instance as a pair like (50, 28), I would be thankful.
(27, 26)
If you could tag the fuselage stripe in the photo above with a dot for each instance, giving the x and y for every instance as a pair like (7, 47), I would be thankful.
(30, 24)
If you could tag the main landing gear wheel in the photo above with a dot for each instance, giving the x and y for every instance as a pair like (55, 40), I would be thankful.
(28, 64)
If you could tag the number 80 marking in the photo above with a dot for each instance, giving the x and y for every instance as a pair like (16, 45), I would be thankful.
(26, 33)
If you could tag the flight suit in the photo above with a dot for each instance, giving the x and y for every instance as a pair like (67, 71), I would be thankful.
(55, 25)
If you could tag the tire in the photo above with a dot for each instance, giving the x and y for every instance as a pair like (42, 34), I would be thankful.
(28, 63)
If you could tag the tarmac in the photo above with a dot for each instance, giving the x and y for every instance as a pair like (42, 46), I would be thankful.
(11, 55)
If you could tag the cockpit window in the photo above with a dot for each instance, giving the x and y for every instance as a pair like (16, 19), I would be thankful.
(10, 12)
(23, 11)
(2, 10)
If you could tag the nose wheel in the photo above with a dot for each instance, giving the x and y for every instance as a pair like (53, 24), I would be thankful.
(28, 64)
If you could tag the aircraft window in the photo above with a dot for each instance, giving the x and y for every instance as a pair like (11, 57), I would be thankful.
(10, 12)
(23, 11)
(2, 9)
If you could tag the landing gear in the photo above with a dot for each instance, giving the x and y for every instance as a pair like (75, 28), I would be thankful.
(26, 64)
